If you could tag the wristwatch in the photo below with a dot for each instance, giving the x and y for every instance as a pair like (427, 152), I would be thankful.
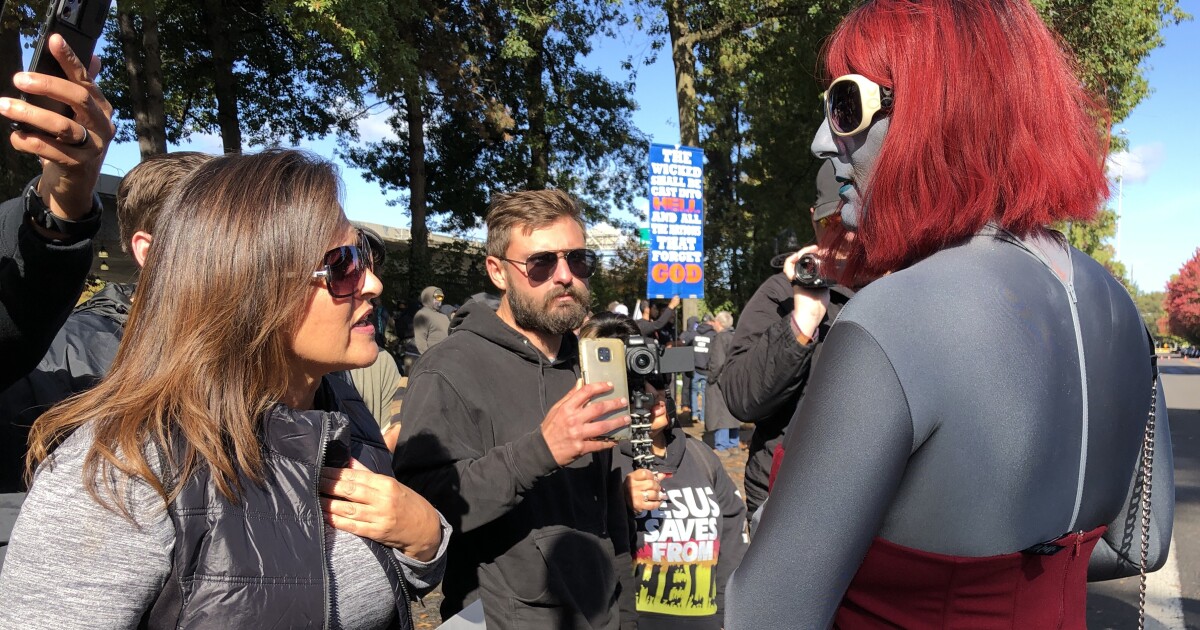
(73, 231)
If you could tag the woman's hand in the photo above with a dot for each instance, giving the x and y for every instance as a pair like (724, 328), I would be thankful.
(643, 491)
(71, 150)
(808, 305)
(378, 507)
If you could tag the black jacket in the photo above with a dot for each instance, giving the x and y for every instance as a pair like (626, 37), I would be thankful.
(543, 546)
(80, 355)
(273, 541)
(701, 340)
(766, 372)
(662, 329)
(39, 283)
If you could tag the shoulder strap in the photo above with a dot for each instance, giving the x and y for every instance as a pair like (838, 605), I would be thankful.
(1145, 477)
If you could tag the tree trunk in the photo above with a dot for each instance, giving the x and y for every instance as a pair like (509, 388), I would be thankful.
(417, 202)
(137, 52)
(225, 83)
(684, 59)
(18, 168)
(156, 116)
(539, 138)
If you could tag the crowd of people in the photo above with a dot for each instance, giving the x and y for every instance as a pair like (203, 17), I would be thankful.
(225, 442)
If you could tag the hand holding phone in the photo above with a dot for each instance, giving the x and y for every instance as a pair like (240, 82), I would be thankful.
(572, 427)
(80, 24)
(603, 361)
(63, 119)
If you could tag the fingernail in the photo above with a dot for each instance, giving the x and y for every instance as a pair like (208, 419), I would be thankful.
(3, 104)
(22, 79)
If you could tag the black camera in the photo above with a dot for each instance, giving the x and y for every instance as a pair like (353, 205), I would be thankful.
(808, 273)
(648, 363)
(645, 360)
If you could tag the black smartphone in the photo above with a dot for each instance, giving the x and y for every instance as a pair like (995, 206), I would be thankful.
(80, 22)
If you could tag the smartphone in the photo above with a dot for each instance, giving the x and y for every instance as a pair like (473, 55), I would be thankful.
(601, 361)
(80, 22)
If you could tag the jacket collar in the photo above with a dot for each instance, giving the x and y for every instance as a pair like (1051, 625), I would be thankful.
(302, 435)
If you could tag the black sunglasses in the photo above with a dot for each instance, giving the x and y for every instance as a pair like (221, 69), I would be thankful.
(345, 269)
(540, 266)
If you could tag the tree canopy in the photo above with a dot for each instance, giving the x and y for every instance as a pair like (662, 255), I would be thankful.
(1183, 301)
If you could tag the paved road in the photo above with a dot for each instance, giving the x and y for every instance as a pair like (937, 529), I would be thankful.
(1173, 594)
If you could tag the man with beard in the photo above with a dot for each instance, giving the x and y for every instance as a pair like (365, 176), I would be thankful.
(501, 439)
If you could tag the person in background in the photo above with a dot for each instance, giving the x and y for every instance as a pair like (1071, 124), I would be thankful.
(926, 486)
(700, 339)
(779, 334)
(499, 436)
(430, 324)
(685, 391)
(718, 420)
(689, 521)
(46, 234)
(382, 389)
(658, 323)
(217, 424)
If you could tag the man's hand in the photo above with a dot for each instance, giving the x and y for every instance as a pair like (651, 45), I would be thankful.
(571, 429)
(674, 303)
(808, 305)
(71, 151)
(378, 507)
(643, 491)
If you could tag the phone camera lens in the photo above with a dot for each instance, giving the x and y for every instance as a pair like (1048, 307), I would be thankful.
(604, 354)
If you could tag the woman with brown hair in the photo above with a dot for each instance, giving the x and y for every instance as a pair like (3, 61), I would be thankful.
(216, 477)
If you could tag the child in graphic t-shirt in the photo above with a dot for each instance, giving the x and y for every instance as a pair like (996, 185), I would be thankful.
(689, 519)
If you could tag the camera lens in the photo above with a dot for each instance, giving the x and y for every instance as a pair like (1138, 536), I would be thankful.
(642, 362)
(604, 354)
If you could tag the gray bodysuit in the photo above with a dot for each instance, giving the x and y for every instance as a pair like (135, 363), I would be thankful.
(988, 398)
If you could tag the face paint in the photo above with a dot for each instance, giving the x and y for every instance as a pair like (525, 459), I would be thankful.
(853, 159)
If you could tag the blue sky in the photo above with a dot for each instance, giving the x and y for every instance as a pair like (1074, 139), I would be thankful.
(1160, 225)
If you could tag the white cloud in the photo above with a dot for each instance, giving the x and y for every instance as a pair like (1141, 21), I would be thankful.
(1137, 164)
(376, 128)
(203, 142)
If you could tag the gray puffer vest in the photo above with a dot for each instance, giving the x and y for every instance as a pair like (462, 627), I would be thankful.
(237, 566)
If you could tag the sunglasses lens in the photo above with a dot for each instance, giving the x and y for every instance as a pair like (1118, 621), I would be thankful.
(539, 267)
(843, 106)
(346, 270)
(582, 263)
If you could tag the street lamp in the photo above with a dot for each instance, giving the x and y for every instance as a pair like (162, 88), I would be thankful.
(1124, 134)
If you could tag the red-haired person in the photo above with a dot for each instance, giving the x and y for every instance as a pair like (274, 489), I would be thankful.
(965, 455)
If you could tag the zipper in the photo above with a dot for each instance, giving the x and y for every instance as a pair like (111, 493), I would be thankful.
(321, 536)
(1073, 303)
(403, 587)
(1083, 390)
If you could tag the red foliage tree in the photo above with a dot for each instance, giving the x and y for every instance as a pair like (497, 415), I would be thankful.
(1183, 301)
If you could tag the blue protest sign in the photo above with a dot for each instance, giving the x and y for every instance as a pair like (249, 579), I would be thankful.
(676, 222)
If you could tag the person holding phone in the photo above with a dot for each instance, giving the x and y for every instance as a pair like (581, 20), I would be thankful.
(45, 234)
(500, 438)
(218, 477)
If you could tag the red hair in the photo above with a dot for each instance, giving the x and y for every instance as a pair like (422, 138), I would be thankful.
(990, 122)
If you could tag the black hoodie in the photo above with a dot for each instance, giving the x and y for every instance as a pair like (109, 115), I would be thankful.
(685, 551)
(543, 546)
